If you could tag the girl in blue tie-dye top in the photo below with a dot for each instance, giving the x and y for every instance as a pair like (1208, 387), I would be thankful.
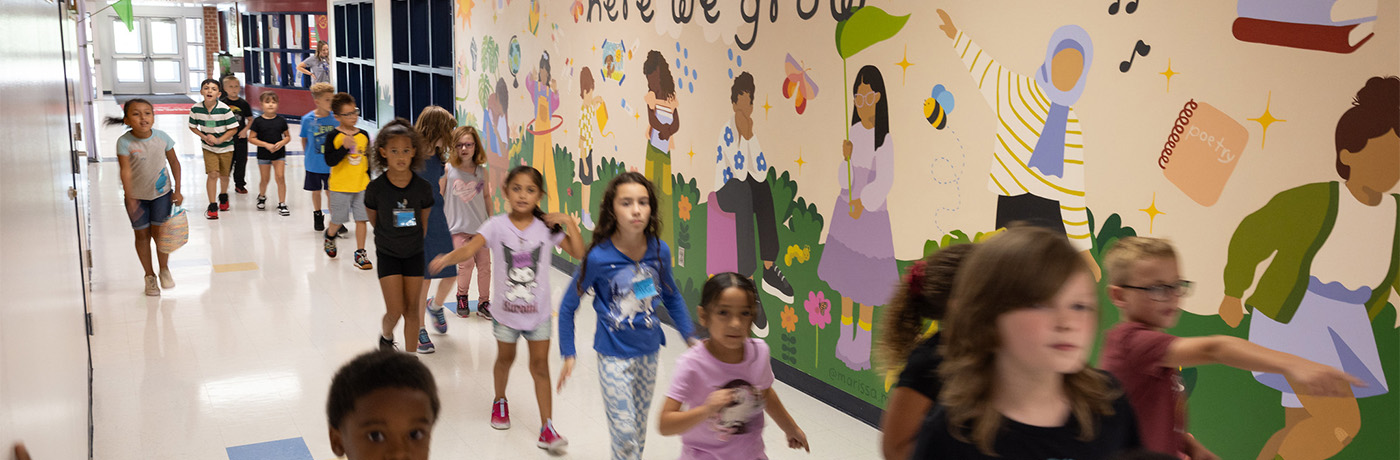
(150, 174)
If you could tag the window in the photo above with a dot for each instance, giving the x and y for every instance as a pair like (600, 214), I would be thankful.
(194, 49)
(422, 60)
(354, 55)
(274, 43)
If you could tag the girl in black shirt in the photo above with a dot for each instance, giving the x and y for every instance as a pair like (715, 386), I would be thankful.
(397, 204)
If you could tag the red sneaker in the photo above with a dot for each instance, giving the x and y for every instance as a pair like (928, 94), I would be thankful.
(550, 440)
(500, 415)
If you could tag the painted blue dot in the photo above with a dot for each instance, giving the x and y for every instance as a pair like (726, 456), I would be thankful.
(685, 71)
(678, 62)
(692, 87)
(731, 54)
(686, 53)
(680, 83)
(678, 46)
(731, 74)
(695, 74)
(739, 60)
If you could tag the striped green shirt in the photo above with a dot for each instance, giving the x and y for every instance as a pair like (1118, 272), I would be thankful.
(214, 122)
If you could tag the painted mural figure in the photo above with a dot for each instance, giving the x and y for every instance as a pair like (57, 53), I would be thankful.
(663, 119)
(497, 130)
(858, 260)
(1316, 299)
(544, 92)
(587, 121)
(741, 188)
(1038, 172)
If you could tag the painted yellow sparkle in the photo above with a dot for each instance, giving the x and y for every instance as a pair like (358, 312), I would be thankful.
(799, 161)
(1267, 119)
(1169, 74)
(1152, 213)
(765, 108)
(904, 65)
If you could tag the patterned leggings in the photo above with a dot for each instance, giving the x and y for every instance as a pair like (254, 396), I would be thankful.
(627, 390)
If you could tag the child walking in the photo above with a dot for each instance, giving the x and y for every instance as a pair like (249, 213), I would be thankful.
(722, 388)
(911, 352)
(435, 125)
(347, 152)
(398, 203)
(215, 125)
(243, 112)
(522, 243)
(1015, 380)
(270, 134)
(628, 268)
(468, 202)
(149, 168)
(382, 405)
(1145, 282)
(315, 125)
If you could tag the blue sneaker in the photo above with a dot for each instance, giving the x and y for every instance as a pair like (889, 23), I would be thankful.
(439, 317)
(425, 345)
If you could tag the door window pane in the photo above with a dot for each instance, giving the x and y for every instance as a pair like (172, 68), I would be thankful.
(194, 30)
(126, 41)
(196, 57)
(195, 79)
(165, 36)
(166, 71)
(131, 71)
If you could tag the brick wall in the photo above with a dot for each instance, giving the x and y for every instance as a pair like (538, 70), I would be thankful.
(211, 40)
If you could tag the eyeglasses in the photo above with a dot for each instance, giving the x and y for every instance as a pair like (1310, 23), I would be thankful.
(352, 113)
(865, 99)
(1164, 292)
(466, 146)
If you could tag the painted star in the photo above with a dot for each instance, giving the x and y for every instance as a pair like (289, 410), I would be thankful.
(765, 108)
(1169, 73)
(691, 153)
(1266, 119)
(904, 65)
(1152, 213)
(799, 161)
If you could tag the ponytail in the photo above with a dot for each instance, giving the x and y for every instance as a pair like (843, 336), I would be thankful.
(923, 294)
(126, 111)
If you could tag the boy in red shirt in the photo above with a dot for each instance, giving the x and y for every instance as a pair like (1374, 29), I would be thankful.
(1145, 283)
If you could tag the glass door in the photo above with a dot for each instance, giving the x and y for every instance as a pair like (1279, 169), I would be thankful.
(148, 58)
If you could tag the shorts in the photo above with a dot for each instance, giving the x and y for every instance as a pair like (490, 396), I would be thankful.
(508, 334)
(269, 162)
(220, 163)
(315, 181)
(403, 266)
(271, 158)
(145, 213)
(345, 205)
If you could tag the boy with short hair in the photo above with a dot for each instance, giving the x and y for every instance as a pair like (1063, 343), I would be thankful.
(347, 152)
(269, 132)
(382, 404)
(215, 125)
(314, 127)
(1145, 283)
(243, 112)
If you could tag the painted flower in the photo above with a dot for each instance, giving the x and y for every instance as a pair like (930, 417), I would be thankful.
(684, 207)
(789, 318)
(728, 174)
(799, 253)
(728, 136)
(762, 163)
(739, 159)
(719, 154)
(818, 309)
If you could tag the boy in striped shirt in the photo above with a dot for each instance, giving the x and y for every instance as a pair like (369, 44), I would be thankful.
(216, 126)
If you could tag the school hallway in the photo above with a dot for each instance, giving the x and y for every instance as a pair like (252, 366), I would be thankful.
(243, 349)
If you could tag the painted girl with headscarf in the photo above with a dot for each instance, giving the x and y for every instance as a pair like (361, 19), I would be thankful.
(1038, 167)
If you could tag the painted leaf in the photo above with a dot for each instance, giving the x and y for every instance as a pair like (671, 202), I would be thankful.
(866, 26)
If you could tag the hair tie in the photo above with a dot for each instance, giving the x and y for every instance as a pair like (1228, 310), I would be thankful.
(915, 278)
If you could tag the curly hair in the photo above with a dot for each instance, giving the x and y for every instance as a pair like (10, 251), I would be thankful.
(373, 371)
(1016, 269)
(1374, 112)
(922, 295)
(395, 129)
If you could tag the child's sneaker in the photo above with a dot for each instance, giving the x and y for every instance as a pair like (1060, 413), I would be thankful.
(484, 310)
(500, 415)
(240, 189)
(262, 202)
(550, 440)
(319, 220)
(282, 209)
(223, 201)
(329, 245)
(387, 344)
(463, 310)
(425, 345)
(212, 212)
(362, 260)
(439, 317)
(166, 281)
(152, 286)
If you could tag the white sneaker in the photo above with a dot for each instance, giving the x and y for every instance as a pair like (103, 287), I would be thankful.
(166, 281)
(152, 286)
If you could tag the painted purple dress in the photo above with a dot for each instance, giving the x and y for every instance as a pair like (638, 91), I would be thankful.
(859, 259)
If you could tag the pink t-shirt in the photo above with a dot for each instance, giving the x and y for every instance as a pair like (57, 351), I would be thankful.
(736, 433)
(1133, 353)
(520, 261)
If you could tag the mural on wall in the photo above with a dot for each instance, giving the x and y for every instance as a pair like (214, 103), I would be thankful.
(828, 252)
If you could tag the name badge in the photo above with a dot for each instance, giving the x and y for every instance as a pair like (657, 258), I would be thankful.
(644, 288)
(405, 218)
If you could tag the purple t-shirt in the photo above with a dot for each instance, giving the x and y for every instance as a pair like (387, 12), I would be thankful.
(737, 431)
(520, 261)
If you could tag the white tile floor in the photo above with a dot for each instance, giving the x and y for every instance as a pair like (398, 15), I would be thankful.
(233, 358)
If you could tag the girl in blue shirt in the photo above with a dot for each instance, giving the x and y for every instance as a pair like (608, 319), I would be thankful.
(628, 268)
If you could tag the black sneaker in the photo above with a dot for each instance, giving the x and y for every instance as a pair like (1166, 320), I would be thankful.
(387, 345)
(484, 310)
(320, 221)
(223, 201)
(212, 213)
(282, 210)
(776, 284)
(262, 202)
(240, 189)
(343, 230)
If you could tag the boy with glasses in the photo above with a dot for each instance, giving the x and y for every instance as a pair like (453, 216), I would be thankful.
(347, 152)
(1145, 283)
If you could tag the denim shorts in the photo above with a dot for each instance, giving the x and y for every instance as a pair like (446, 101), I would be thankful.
(145, 213)
(508, 334)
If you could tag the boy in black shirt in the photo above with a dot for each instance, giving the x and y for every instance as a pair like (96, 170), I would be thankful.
(269, 132)
(242, 111)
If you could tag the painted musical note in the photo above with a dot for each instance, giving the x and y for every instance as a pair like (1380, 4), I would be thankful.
(1141, 48)
(1130, 8)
